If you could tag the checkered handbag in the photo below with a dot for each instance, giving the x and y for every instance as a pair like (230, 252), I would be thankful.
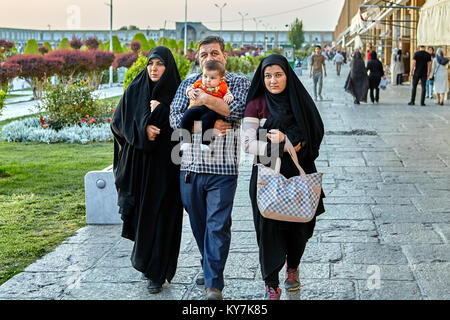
(294, 199)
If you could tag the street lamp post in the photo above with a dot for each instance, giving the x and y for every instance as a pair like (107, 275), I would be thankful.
(185, 26)
(220, 8)
(242, 38)
(110, 40)
(265, 36)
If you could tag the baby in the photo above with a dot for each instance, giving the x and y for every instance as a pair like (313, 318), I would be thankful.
(213, 83)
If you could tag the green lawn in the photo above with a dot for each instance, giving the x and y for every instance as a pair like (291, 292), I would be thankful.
(42, 197)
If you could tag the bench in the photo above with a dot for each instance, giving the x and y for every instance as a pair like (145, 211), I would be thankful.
(101, 197)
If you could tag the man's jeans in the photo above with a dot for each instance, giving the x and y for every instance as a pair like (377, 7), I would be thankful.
(208, 199)
(415, 82)
(317, 77)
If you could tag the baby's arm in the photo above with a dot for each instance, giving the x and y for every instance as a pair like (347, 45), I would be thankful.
(228, 97)
(191, 93)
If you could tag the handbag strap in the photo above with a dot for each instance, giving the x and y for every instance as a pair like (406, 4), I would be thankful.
(293, 154)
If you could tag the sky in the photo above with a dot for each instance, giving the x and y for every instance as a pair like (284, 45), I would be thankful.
(95, 14)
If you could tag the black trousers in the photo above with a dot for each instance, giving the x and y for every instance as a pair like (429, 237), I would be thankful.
(423, 83)
(374, 82)
(203, 113)
(399, 78)
(293, 257)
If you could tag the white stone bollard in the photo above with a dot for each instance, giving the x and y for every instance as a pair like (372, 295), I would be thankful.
(101, 197)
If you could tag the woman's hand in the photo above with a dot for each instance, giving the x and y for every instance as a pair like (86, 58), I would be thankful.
(296, 148)
(152, 132)
(276, 136)
(154, 104)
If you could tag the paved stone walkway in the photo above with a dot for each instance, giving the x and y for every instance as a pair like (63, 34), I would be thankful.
(385, 234)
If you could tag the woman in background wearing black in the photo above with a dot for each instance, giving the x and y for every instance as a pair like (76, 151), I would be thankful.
(357, 81)
(376, 72)
(147, 180)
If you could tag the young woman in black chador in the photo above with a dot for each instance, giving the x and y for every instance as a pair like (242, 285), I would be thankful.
(278, 103)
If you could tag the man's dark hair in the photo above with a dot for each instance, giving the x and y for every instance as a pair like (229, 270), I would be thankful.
(317, 46)
(214, 65)
(212, 39)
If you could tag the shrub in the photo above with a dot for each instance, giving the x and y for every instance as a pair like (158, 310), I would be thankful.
(76, 63)
(151, 44)
(140, 37)
(8, 71)
(135, 46)
(32, 130)
(183, 66)
(102, 61)
(92, 43)
(72, 104)
(35, 69)
(64, 45)
(32, 47)
(2, 98)
(76, 43)
(43, 50)
(117, 47)
(134, 70)
(125, 60)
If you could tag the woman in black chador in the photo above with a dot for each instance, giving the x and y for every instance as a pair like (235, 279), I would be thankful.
(278, 103)
(357, 81)
(147, 180)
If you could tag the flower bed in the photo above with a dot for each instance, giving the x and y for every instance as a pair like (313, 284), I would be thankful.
(32, 130)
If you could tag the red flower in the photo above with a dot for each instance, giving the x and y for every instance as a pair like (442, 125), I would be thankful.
(42, 121)
(87, 116)
(83, 120)
(109, 119)
(114, 110)
(92, 120)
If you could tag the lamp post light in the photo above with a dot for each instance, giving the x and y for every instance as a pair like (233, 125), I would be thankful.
(242, 38)
(220, 8)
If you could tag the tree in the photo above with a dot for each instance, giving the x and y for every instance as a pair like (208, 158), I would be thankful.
(92, 43)
(8, 71)
(75, 43)
(140, 37)
(43, 50)
(76, 62)
(35, 69)
(296, 34)
(64, 44)
(135, 46)
(117, 47)
(151, 44)
(102, 62)
(125, 59)
(172, 44)
(32, 47)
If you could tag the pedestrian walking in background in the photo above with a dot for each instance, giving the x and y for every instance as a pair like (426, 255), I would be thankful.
(439, 73)
(397, 67)
(376, 72)
(208, 180)
(279, 104)
(317, 63)
(430, 81)
(420, 71)
(357, 82)
(338, 60)
(145, 176)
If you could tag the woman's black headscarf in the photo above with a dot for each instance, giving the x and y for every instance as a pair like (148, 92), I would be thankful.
(133, 111)
(294, 104)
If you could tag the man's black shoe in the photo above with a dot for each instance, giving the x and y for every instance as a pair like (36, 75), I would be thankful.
(423, 104)
(410, 103)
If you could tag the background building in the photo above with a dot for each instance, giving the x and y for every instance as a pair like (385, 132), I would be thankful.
(195, 31)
